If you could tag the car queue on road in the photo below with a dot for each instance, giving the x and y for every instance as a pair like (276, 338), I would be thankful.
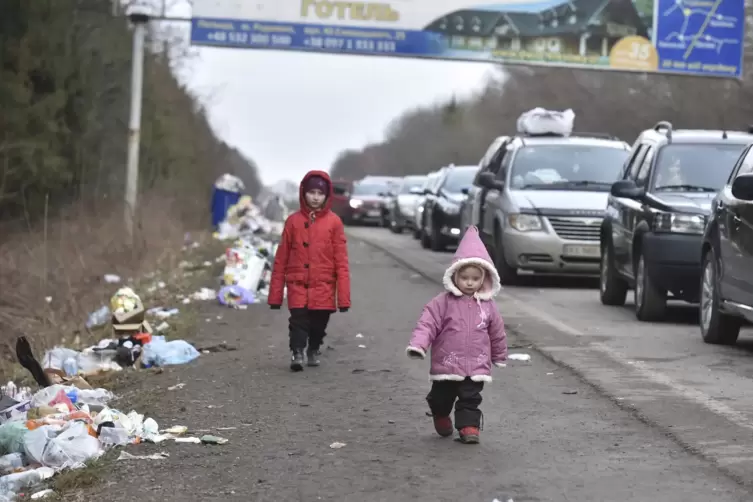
(669, 218)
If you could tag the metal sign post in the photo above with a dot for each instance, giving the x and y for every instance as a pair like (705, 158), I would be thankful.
(139, 16)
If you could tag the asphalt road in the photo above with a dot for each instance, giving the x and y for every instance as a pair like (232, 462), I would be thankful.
(700, 395)
(548, 435)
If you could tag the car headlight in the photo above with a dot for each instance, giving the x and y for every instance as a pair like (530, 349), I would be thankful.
(525, 222)
(680, 223)
(356, 203)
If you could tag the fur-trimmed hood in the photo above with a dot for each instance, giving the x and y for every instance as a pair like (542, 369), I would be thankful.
(471, 251)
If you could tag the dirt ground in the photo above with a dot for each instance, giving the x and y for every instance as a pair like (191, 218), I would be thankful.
(547, 436)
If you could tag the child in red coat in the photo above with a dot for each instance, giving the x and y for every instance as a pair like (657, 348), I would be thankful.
(312, 261)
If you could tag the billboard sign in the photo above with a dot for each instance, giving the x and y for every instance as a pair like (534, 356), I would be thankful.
(690, 37)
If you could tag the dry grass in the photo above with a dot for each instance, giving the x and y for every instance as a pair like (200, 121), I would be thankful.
(66, 259)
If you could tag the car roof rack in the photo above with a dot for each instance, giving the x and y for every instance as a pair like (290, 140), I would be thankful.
(600, 135)
(596, 135)
(664, 125)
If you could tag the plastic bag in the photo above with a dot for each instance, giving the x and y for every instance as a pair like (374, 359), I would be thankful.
(124, 300)
(160, 352)
(232, 296)
(56, 357)
(69, 448)
(99, 317)
(541, 121)
(12, 436)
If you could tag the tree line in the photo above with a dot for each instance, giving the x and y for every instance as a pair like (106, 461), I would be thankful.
(459, 131)
(64, 101)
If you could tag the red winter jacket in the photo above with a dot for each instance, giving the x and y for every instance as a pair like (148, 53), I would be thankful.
(312, 258)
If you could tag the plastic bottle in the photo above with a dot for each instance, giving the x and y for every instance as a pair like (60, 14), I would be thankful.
(11, 462)
(70, 366)
(20, 480)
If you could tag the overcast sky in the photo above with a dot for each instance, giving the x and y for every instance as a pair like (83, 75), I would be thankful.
(292, 112)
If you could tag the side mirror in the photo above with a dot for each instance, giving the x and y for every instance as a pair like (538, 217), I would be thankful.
(416, 191)
(627, 189)
(381, 194)
(742, 187)
(465, 191)
(490, 181)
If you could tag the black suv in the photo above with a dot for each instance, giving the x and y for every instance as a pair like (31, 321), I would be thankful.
(727, 257)
(656, 214)
(440, 222)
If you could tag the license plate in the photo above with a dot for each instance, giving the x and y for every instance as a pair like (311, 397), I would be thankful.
(582, 251)
(373, 212)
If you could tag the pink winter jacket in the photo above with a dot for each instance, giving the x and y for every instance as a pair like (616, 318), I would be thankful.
(466, 334)
(463, 343)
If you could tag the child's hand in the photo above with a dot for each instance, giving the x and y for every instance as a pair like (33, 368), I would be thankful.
(415, 353)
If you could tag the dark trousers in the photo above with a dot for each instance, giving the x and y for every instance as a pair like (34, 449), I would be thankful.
(307, 326)
(465, 395)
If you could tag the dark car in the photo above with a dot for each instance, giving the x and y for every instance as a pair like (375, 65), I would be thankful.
(656, 214)
(727, 258)
(367, 201)
(441, 213)
(341, 199)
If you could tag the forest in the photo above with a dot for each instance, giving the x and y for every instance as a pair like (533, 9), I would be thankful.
(64, 107)
(458, 131)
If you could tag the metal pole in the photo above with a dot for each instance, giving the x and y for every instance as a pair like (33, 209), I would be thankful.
(134, 123)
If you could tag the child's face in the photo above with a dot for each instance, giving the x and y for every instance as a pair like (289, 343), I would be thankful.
(315, 198)
(469, 279)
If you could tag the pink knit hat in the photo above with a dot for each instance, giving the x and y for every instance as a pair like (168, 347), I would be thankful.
(471, 251)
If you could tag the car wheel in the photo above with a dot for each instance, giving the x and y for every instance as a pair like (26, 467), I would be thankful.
(395, 228)
(508, 275)
(437, 240)
(612, 288)
(650, 300)
(425, 239)
(717, 327)
(416, 233)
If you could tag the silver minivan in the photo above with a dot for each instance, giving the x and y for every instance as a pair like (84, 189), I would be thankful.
(542, 199)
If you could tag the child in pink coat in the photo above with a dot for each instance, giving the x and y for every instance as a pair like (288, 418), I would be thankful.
(466, 334)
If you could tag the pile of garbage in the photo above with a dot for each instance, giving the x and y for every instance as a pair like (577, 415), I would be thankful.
(248, 270)
(134, 342)
(248, 261)
(63, 426)
(244, 218)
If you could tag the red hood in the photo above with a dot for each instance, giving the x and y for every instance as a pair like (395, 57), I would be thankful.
(302, 199)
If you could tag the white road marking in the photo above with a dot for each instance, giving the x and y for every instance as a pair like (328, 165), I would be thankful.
(689, 393)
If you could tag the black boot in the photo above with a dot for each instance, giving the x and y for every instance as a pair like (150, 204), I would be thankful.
(312, 356)
(296, 362)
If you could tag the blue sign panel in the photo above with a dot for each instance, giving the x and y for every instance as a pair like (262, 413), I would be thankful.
(690, 37)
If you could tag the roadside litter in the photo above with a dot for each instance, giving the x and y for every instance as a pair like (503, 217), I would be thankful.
(68, 422)
(248, 270)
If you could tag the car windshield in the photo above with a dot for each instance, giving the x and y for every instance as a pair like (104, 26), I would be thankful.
(410, 183)
(695, 167)
(567, 167)
(458, 179)
(369, 188)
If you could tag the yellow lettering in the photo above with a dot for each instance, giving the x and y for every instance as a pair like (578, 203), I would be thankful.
(354, 11)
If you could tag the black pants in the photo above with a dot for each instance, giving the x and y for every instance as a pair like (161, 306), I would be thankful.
(307, 326)
(443, 396)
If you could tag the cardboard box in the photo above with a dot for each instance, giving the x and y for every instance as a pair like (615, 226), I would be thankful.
(126, 330)
(135, 316)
